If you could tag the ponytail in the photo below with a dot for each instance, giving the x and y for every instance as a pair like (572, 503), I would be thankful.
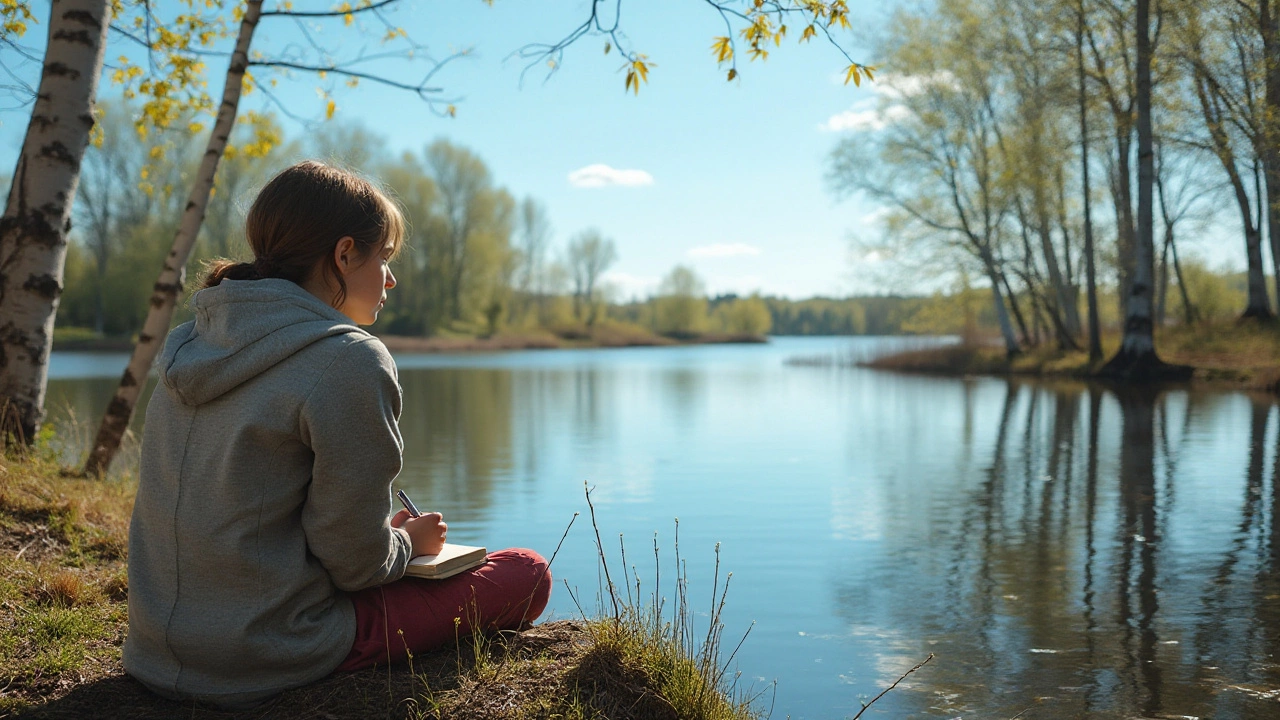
(215, 271)
(219, 269)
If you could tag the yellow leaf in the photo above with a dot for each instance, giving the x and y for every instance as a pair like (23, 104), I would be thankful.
(453, 111)
(808, 33)
(722, 47)
(329, 110)
(733, 73)
(852, 74)
(607, 48)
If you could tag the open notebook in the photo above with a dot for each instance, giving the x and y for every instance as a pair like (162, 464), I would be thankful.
(452, 560)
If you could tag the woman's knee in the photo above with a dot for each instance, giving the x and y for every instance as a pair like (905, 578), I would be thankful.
(528, 571)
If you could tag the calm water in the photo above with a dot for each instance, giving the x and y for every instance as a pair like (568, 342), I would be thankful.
(1062, 550)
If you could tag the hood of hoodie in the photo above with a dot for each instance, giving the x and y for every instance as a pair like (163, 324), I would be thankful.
(242, 329)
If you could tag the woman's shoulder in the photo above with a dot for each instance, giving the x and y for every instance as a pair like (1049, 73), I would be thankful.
(358, 351)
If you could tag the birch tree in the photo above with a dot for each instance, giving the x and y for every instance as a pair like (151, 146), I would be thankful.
(33, 230)
(1223, 56)
(1136, 359)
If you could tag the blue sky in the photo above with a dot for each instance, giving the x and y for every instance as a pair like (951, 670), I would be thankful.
(726, 177)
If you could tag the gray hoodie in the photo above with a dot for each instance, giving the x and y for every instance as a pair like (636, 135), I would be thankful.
(264, 495)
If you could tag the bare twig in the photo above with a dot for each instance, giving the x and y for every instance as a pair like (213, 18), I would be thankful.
(613, 594)
(894, 685)
(547, 569)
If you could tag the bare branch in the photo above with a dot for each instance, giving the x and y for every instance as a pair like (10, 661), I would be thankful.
(421, 89)
(328, 13)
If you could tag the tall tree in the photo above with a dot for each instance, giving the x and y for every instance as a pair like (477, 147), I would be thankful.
(33, 230)
(590, 254)
(172, 276)
(534, 234)
(1137, 359)
(937, 160)
(680, 309)
(1223, 56)
(1091, 272)
(1108, 34)
(1029, 54)
(1268, 24)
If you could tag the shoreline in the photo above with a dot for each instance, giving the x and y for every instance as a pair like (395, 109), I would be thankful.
(1240, 356)
(474, 344)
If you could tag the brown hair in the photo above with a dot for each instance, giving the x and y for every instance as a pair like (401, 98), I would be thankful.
(300, 216)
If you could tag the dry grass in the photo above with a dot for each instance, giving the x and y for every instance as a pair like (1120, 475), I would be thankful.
(62, 579)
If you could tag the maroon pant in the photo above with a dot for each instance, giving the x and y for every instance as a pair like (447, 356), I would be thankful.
(416, 615)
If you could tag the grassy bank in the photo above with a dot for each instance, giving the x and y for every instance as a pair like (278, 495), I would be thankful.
(1241, 355)
(63, 616)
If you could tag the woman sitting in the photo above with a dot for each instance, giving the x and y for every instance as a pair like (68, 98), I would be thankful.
(262, 552)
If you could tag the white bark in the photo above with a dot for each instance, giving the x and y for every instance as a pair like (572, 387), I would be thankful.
(33, 231)
(169, 285)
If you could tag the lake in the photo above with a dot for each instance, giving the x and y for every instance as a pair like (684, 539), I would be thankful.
(1061, 549)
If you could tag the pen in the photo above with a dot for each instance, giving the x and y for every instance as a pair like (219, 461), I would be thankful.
(408, 504)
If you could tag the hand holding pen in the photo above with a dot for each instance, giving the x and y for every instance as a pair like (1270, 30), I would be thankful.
(426, 532)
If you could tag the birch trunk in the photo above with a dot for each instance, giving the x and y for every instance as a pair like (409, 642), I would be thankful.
(169, 285)
(1137, 360)
(33, 231)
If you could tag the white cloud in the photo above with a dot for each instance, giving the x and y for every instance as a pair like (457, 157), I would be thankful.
(723, 250)
(601, 175)
(865, 119)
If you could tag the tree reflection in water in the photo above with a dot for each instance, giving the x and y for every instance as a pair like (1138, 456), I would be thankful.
(1074, 582)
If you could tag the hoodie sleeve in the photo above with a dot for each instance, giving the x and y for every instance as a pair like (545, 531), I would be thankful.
(349, 422)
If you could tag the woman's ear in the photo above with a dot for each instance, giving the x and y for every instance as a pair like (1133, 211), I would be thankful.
(345, 255)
